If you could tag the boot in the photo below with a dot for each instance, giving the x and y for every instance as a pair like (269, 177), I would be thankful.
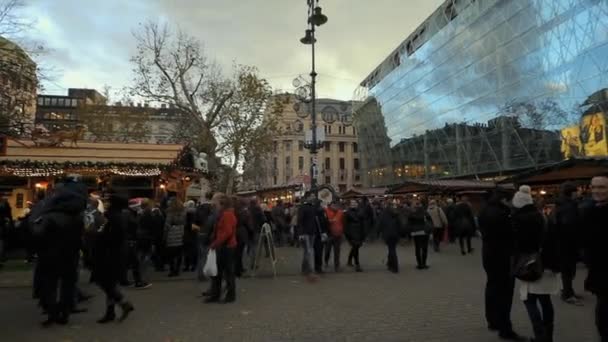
(549, 332)
(109, 316)
(126, 310)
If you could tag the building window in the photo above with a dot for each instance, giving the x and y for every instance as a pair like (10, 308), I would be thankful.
(47, 101)
(274, 180)
(327, 129)
(287, 161)
(287, 145)
(300, 146)
(342, 164)
(355, 147)
(327, 163)
(40, 101)
(327, 145)
(327, 179)
(74, 102)
(354, 130)
(53, 101)
(275, 146)
(61, 102)
(300, 163)
(356, 163)
(341, 146)
(275, 163)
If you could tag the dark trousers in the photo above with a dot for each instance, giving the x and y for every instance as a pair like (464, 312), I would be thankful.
(334, 242)
(225, 272)
(461, 240)
(174, 254)
(132, 263)
(190, 254)
(601, 317)
(354, 253)
(542, 322)
(421, 243)
(238, 259)
(318, 252)
(392, 260)
(500, 286)
(159, 256)
(568, 270)
(437, 237)
(110, 289)
(59, 277)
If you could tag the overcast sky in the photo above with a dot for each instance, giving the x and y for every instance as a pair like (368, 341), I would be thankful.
(91, 42)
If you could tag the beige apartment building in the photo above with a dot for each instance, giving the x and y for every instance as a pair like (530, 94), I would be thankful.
(338, 161)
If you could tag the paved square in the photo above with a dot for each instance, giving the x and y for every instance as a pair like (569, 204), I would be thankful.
(444, 303)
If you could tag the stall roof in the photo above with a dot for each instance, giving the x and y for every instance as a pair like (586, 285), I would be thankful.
(268, 190)
(570, 169)
(363, 192)
(412, 186)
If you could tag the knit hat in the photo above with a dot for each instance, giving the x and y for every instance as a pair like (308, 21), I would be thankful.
(523, 197)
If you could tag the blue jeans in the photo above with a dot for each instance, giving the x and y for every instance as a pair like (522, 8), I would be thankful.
(308, 258)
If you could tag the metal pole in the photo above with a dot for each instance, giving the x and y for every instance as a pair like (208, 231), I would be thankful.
(313, 149)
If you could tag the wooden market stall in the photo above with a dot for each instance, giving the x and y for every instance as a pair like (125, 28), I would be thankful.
(363, 192)
(445, 186)
(140, 170)
(286, 193)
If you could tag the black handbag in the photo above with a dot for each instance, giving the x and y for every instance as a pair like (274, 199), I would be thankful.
(528, 267)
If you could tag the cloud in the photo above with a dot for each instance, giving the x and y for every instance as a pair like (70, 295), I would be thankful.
(95, 41)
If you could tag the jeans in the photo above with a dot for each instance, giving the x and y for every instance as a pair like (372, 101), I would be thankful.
(190, 253)
(308, 253)
(132, 263)
(252, 248)
(421, 243)
(461, 240)
(175, 258)
(113, 294)
(334, 242)
(601, 317)
(225, 271)
(542, 323)
(500, 285)
(392, 260)
(354, 253)
(144, 254)
(60, 277)
(568, 270)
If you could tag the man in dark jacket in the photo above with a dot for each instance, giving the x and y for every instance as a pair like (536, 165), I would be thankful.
(595, 218)
(280, 221)
(566, 221)
(464, 224)
(61, 227)
(390, 227)
(354, 229)
(6, 222)
(498, 249)
(312, 232)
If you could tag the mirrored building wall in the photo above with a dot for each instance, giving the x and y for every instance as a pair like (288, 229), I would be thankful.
(482, 87)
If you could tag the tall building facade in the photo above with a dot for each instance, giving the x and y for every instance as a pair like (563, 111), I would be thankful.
(289, 162)
(479, 88)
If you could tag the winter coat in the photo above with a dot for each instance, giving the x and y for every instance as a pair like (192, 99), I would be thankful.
(307, 224)
(189, 233)
(201, 218)
(150, 225)
(354, 226)
(464, 222)
(336, 221)
(110, 243)
(567, 220)
(390, 224)
(531, 236)
(278, 216)
(595, 218)
(224, 234)
(418, 221)
(498, 237)
(257, 218)
(242, 230)
(174, 228)
(438, 218)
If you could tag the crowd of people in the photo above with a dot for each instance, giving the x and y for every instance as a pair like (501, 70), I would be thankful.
(113, 236)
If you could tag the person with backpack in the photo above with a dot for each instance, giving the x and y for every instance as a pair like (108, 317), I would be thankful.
(536, 246)
(439, 222)
(390, 226)
(335, 215)
(420, 226)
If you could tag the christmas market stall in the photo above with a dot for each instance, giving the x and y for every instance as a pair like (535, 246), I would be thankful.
(139, 170)
(287, 194)
(363, 192)
(441, 186)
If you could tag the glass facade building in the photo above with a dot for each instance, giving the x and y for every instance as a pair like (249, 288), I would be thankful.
(482, 87)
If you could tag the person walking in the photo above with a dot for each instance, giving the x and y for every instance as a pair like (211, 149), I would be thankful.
(111, 242)
(145, 232)
(354, 227)
(335, 216)
(310, 234)
(279, 219)
(567, 220)
(157, 221)
(464, 224)
(596, 235)
(498, 249)
(174, 234)
(439, 221)
(419, 224)
(390, 227)
(224, 242)
(204, 220)
(190, 235)
(242, 233)
(532, 238)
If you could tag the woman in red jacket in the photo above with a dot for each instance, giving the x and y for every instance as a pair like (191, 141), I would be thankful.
(224, 243)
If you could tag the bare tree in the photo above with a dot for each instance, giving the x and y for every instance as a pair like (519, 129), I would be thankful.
(171, 68)
(250, 119)
(545, 114)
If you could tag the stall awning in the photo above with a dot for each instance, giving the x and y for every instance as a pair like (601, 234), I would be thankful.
(571, 169)
(363, 192)
(269, 190)
(24, 159)
(453, 185)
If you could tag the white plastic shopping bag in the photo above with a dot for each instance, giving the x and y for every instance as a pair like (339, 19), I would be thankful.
(210, 269)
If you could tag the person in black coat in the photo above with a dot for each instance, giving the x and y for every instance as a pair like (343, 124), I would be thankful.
(595, 217)
(389, 224)
(464, 224)
(312, 230)
(567, 220)
(355, 231)
(498, 249)
(61, 229)
(242, 233)
(109, 256)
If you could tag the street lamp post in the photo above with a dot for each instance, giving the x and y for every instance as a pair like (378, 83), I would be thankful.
(315, 18)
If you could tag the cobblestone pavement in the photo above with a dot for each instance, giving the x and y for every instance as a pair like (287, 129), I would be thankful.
(444, 303)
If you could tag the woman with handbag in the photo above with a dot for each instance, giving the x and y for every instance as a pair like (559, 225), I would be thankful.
(419, 224)
(536, 263)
